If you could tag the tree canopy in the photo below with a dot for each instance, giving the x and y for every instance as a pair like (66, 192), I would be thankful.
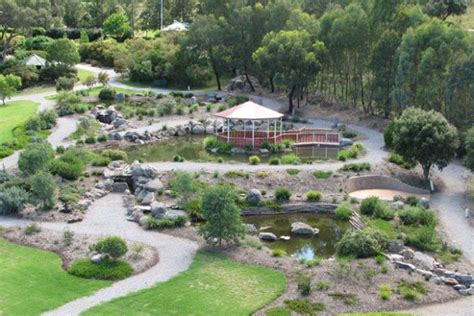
(8, 86)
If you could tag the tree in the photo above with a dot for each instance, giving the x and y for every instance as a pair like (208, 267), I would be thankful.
(206, 36)
(103, 78)
(425, 137)
(115, 247)
(184, 186)
(35, 158)
(43, 188)
(469, 158)
(12, 199)
(296, 59)
(90, 81)
(444, 8)
(8, 86)
(222, 216)
(117, 26)
(64, 51)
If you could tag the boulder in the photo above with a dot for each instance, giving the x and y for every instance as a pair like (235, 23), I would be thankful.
(407, 253)
(158, 209)
(423, 260)
(96, 258)
(254, 196)
(210, 130)
(398, 205)
(115, 136)
(119, 122)
(148, 198)
(267, 236)
(154, 185)
(143, 221)
(405, 266)
(465, 292)
(458, 287)
(250, 229)
(395, 246)
(107, 116)
(143, 171)
(174, 214)
(450, 281)
(465, 279)
(198, 130)
(424, 203)
(398, 198)
(119, 187)
(131, 136)
(346, 142)
(303, 229)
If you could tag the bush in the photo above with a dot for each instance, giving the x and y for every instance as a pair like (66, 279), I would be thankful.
(254, 160)
(314, 196)
(275, 161)
(107, 94)
(357, 167)
(100, 161)
(65, 84)
(52, 73)
(12, 199)
(304, 285)
(417, 216)
(398, 160)
(320, 174)
(67, 170)
(102, 138)
(115, 154)
(385, 292)
(282, 194)
(304, 307)
(115, 247)
(349, 134)
(105, 270)
(44, 120)
(361, 244)
(90, 140)
(371, 206)
(388, 134)
(411, 290)
(424, 238)
(290, 159)
(160, 224)
(67, 102)
(322, 286)
(343, 212)
(278, 253)
(292, 172)
(35, 157)
(412, 200)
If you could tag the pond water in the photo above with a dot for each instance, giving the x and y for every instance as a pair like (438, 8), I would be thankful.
(191, 149)
(302, 247)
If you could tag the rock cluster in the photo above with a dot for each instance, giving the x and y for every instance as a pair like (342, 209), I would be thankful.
(241, 84)
(300, 228)
(109, 116)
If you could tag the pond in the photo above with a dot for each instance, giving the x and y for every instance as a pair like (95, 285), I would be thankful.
(191, 149)
(302, 247)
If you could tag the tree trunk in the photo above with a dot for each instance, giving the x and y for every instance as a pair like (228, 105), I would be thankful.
(272, 85)
(248, 79)
(216, 73)
(426, 173)
(290, 99)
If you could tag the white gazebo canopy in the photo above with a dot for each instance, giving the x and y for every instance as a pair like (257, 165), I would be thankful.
(249, 111)
(176, 26)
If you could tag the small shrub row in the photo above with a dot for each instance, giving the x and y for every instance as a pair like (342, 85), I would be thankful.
(357, 167)
(160, 224)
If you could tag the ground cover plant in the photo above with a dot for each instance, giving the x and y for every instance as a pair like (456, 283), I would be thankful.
(26, 270)
(208, 287)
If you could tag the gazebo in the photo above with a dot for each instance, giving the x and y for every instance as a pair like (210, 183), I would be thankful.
(256, 115)
(35, 61)
(267, 128)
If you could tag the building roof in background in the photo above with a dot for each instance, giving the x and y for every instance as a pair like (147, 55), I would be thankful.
(34, 60)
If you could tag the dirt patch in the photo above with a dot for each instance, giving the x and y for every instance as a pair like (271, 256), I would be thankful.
(140, 256)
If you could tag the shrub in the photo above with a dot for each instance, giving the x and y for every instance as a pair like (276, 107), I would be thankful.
(371, 206)
(12, 199)
(43, 188)
(343, 212)
(304, 285)
(254, 160)
(320, 174)
(411, 290)
(278, 253)
(274, 161)
(322, 286)
(380, 259)
(101, 161)
(107, 94)
(160, 224)
(361, 244)
(65, 169)
(349, 134)
(343, 155)
(278, 311)
(304, 307)
(105, 270)
(115, 247)
(32, 229)
(282, 194)
(35, 157)
(424, 238)
(357, 167)
(67, 102)
(65, 84)
(417, 216)
(398, 160)
(385, 292)
(115, 154)
(90, 140)
(290, 159)
(178, 158)
(412, 200)
(292, 172)
(314, 196)
(102, 138)
(388, 134)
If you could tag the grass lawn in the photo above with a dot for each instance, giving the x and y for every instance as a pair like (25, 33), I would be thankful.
(37, 90)
(14, 114)
(212, 286)
(84, 74)
(32, 281)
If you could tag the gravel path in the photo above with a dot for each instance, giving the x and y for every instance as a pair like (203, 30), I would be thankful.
(106, 217)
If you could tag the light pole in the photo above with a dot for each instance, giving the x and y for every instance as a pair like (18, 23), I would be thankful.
(161, 15)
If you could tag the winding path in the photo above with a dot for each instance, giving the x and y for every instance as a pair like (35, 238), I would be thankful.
(107, 215)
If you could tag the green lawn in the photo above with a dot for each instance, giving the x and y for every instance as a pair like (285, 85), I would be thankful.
(37, 90)
(32, 281)
(212, 286)
(84, 74)
(14, 114)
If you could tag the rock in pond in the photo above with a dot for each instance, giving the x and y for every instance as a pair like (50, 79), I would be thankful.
(254, 196)
(303, 229)
(267, 236)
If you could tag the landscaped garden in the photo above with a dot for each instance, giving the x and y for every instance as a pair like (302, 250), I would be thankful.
(13, 115)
